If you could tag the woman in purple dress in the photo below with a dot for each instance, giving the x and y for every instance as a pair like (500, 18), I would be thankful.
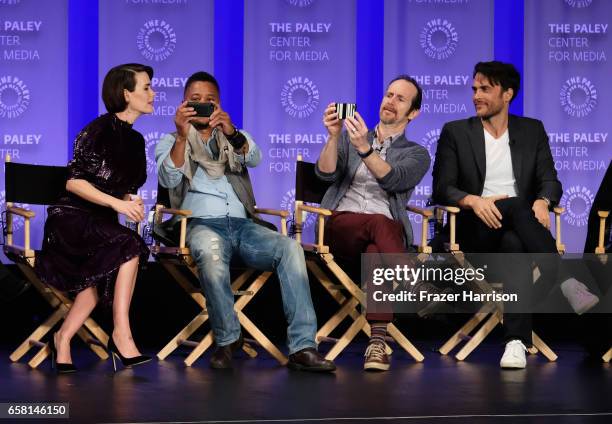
(86, 252)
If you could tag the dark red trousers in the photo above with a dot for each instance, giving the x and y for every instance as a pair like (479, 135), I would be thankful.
(349, 234)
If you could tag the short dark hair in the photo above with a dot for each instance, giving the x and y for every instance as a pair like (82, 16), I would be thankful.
(418, 98)
(122, 77)
(201, 76)
(500, 73)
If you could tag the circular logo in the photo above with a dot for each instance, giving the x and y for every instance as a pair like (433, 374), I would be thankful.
(578, 4)
(577, 202)
(300, 3)
(439, 39)
(300, 97)
(288, 204)
(156, 40)
(578, 97)
(14, 97)
(430, 142)
(17, 221)
(151, 140)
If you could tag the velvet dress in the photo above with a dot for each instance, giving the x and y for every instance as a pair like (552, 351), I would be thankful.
(84, 244)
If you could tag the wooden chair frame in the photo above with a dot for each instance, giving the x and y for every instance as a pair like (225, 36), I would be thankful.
(601, 250)
(321, 263)
(490, 314)
(172, 258)
(24, 257)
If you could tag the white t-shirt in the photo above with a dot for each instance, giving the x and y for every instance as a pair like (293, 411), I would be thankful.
(499, 178)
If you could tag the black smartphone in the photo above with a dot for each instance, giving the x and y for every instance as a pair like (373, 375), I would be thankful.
(203, 110)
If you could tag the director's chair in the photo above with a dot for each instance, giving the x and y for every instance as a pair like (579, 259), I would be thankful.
(477, 328)
(170, 251)
(309, 189)
(601, 250)
(40, 185)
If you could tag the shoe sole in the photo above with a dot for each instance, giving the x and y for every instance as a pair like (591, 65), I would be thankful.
(512, 367)
(587, 307)
(139, 363)
(376, 366)
(298, 367)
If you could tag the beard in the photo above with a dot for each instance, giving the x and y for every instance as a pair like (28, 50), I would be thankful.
(200, 126)
(390, 120)
(489, 112)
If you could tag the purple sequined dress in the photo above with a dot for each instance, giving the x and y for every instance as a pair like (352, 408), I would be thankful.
(84, 243)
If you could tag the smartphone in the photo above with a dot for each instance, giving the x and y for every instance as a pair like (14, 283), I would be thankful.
(345, 110)
(203, 110)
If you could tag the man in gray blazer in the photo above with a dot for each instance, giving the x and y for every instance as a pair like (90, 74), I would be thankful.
(373, 173)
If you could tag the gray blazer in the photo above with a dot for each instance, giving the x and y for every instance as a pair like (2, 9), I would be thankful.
(409, 162)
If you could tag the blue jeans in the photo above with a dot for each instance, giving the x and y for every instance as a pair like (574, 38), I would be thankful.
(214, 241)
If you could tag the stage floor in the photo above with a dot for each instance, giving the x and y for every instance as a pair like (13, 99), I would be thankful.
(439, 390)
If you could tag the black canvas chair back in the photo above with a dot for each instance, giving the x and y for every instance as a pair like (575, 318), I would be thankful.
(34, 184)
(308, 187)
(163, 196)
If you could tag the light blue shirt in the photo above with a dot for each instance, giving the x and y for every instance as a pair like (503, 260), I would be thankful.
(207, 197)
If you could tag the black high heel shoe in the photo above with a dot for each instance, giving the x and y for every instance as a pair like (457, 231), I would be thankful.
(60, 368)
(126, 362)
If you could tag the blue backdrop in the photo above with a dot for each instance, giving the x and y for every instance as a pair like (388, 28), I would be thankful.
(352, 60)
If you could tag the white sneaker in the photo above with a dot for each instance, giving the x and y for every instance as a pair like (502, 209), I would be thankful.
(514, 355)
(578, 295)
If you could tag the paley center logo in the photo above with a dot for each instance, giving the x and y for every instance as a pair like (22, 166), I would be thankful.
(151, 140)
(578, 97)
(577, 202)
(14, 97)
(439, 39)
(300, 3)
(578, 4)
(156, 40)
(300, 97)
(288, 204)
(430, 142)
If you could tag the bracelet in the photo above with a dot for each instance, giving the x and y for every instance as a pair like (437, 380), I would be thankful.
(366, 154)
(232, 135)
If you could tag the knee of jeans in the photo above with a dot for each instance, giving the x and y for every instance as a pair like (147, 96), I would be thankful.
(208, 252)
(290, 247)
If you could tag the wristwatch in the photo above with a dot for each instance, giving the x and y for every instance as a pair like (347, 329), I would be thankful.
(546, 200)
(366, 154)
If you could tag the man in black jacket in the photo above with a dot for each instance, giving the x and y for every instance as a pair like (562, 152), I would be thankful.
(499, 170)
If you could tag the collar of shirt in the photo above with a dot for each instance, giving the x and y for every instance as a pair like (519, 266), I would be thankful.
(377, 145)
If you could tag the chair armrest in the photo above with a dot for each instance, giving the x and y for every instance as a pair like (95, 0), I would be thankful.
(321, 212)
(180, 212)
(426, 213)
(558, 211)
(449, 209)
(601, 249)
(276, 212)
(452, 211)
(313, 209)
(26, 213)
(183, 213)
